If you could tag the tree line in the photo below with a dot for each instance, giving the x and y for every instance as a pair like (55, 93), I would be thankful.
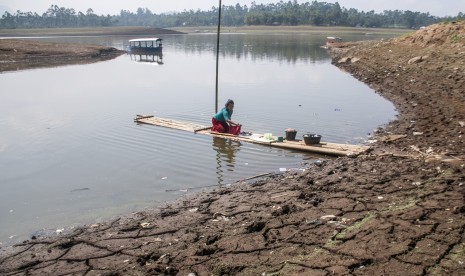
(282, 13)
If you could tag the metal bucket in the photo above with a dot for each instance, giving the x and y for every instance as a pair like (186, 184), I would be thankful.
(312, 139)
(290, 134)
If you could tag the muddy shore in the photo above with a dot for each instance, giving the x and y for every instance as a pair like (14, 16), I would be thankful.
(16, 54)
(396, 210)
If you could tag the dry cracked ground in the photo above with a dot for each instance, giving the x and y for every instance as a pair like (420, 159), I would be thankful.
(395, 210)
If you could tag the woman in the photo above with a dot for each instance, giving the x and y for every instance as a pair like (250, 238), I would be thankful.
(222, 120)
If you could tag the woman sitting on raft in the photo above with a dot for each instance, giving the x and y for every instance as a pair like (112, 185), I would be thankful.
(222, 122)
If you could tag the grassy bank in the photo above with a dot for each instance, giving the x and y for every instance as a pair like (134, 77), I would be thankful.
(291, 29)
(85, 31)
(201, 29)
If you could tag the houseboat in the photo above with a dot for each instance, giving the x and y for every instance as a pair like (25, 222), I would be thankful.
(145, 45)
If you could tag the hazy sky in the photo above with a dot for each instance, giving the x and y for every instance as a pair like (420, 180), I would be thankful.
(434, 7)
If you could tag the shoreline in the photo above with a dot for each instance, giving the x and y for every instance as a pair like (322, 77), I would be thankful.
(183, 30)
(397, 210)
(301, 29)
(16, 54)
(100, 31)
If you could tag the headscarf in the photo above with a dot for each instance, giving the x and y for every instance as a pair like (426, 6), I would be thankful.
(229, 102)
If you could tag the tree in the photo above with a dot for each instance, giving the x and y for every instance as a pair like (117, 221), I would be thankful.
(281, 13)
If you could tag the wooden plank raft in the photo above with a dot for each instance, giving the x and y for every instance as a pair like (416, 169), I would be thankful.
(324, 148)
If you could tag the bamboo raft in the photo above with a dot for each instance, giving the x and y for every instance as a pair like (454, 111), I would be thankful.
(324, 148)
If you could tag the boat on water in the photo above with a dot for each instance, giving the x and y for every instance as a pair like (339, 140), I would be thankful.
(145, 45)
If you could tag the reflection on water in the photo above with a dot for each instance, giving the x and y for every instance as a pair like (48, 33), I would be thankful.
(288, 48)
(226, 151)
(146, 57)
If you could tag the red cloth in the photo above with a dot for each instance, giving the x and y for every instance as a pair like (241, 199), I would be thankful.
(223, 127)
(235, 130)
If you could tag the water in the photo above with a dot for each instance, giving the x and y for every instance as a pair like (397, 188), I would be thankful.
(70, 152)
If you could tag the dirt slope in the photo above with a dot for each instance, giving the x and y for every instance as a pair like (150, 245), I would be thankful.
(397, 210)
(443, 35)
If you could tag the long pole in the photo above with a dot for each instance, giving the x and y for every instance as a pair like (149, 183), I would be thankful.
(217, 56)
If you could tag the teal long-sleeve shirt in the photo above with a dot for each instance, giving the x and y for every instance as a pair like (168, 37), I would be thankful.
(223, 115)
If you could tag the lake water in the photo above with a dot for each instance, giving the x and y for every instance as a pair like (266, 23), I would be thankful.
(70, 152)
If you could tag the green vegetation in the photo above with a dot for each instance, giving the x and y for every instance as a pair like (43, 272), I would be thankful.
(409, 203)
(458, 39)
(282, 13)
(357, 225)
(339, 237)
(452, 260)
